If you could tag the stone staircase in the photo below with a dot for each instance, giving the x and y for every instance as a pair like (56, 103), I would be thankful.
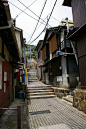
(39, 92)
(32, 77)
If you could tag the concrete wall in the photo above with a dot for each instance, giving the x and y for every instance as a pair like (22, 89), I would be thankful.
(64, 72)
(17, 33)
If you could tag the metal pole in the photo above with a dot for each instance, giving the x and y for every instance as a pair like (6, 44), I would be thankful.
(18, 117)
(30, 54)
(24, 57)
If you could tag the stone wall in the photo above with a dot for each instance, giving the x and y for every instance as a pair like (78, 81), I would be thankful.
(79, 99)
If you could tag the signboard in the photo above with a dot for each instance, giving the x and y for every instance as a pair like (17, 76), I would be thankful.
(4, 87)
(5, 76)
(59, 78)
(0, 74)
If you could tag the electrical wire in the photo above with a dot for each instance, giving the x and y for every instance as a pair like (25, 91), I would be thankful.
(56, 19)
(25, 12)
(38, 27)
(24, 9)
(46, 23)
(32, 11)
(38, 20)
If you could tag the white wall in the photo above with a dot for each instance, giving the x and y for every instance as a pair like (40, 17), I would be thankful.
(17, 33)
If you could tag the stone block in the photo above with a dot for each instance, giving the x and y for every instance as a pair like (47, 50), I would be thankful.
(82, 95)
(60, 95)
(75, 99)
(77, 94)
(64, 94)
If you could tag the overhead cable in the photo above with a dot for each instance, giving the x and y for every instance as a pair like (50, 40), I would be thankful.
(46, 23)
(32, 11)
(38, 27)
(25, 12)
(24, 9)
(38, 19)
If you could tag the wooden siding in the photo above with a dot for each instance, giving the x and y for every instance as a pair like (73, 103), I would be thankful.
(79, 12)
(53, 44)
(81, 47)
(44, 53)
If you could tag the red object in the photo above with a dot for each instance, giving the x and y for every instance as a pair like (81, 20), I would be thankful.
(51, 73)
(8, 83)
(18, 75)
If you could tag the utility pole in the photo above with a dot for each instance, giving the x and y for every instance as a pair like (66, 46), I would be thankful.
(30, 55)
(24, 56)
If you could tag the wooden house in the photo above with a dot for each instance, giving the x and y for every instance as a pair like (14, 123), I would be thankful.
(39, 60)
(58, 58)
(9, 56)
(79, 37)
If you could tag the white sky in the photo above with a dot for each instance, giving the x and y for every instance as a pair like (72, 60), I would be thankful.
(28, 24)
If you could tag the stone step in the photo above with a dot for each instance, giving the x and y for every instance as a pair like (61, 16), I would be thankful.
(39, 88)
(41, 96)
(32, 80)
(68, 98)
(34, 91)
(40, 93)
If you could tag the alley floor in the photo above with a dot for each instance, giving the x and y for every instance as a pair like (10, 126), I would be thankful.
(53, 113)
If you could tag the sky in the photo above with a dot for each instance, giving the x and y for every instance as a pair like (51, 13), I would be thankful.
(28, 24)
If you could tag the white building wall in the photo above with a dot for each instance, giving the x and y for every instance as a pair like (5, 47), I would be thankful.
(17, 33)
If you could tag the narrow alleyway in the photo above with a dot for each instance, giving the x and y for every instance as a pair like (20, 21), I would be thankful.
(52, 113)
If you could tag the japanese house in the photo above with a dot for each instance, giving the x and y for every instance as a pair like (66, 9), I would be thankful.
(60, 64)
(39, 60)
(10, 55)
(79, 37)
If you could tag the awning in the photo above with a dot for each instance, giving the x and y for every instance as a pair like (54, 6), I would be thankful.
(75, 35)
(17, 64)
(8, 34)
(50, 61)
(67, 3)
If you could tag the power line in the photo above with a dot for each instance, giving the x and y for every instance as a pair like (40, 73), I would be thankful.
(56, 19)
(38, 19)
(25, 12)
(31, 11)
(46, 23)
(38, 27)
(24, 9)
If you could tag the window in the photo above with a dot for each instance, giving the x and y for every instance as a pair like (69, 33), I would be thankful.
(39, 54)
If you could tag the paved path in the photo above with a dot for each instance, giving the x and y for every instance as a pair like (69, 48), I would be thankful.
(56, 114)
(53, 113)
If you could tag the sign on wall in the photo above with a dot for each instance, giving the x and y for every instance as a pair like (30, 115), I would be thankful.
(4, 87)
(0, 74)
(59, 78)
(5, 76)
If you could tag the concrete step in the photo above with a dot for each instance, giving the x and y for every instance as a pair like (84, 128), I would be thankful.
(41, 96)
(68, 98)
(40, 93)
(35, 91)
(33, 78)
(39, 88)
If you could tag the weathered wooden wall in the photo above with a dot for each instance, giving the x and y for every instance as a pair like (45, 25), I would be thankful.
(44, 53)
(81, 47)
(79, 12)
(53, 44)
